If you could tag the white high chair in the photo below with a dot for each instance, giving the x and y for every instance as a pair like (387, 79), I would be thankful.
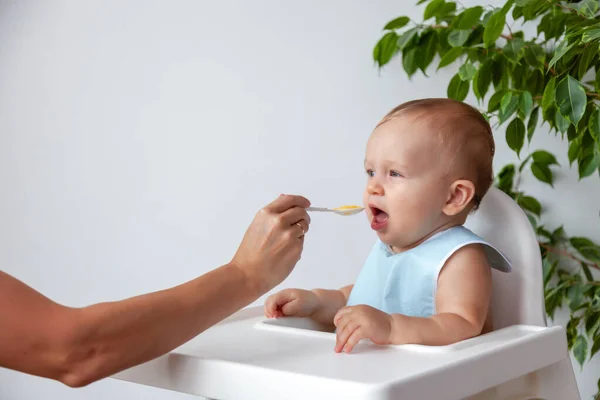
(248, 358)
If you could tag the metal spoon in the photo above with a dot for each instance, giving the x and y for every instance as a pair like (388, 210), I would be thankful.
(339, 210)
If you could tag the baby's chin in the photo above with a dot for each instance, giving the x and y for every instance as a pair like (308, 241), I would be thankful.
(393, 239)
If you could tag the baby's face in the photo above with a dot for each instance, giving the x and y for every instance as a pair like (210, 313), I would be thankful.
(407, 185)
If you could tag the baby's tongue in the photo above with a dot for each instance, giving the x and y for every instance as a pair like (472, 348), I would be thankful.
(381, 216)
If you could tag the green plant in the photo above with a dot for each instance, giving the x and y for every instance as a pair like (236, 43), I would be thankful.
(552, 78)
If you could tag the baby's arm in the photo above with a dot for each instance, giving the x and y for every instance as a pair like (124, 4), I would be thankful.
(319, 304)
(462, 302)
(330, 302)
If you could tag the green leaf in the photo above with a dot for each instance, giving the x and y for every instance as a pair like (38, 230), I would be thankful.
(494, 28)
(592, 323)
(553, 299)
(585, 60)
(541, 231)
(499, 75)
(523, 3)
(535, 55)
(467, 71)
(587, 8)
(506, 177)
(595, 349)
(594, 125)
(571, 99)
(458, 89)
(427, 49)
(406, 38)
(509, 108)
(397, 23)
(562, 124)
(469, 18)
(575, 296)
(532, 124)
(580, 349)
(523, 165)
(530, 204)
(544, 157)
(433, 9)
(515, 135)
(571, 132)
(507, 6)
(457, 38)
(559, 233)
(486, 18)
(525, 103)
(587, 144)
(446, 11)
(588, 166)
(556, 26)
(548, 269)
(542, 173)
(517, 13)
(385, 49)
(598, 79)
(574, 151)
(532, 220)
(494, 102)
(409, 61)
(549, 95)
(588, 249)
(561, 50)
(482, 79)
(422, 1)
(505, 101)
(534, 9)
(587, 272)
(450, 56)
(513, 48)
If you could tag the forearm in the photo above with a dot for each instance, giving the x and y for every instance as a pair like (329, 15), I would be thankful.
(438, 330)
(80, 346)
(110, 337)
(330, 302)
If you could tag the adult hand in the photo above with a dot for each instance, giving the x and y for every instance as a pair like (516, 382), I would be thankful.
(274, 241)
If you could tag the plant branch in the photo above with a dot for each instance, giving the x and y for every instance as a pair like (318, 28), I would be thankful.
(564, 7)
(567, 254)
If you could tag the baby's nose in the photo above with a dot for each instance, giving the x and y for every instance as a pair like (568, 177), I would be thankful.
(375, 187)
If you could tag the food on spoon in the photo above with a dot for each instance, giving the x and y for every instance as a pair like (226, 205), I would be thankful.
(347, 207)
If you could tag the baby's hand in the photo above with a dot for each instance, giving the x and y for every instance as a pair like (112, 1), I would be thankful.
(291, 302)
(355, 323)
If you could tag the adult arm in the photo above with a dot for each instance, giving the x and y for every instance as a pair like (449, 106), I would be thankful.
(78, 346)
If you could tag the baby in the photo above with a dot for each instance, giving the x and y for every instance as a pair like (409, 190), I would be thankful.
(427, 279)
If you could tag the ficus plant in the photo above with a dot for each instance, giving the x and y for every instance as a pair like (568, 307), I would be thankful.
(548, 81)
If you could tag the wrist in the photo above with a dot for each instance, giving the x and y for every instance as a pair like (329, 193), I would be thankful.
(253, 283)
(398, 329)
(317, 302)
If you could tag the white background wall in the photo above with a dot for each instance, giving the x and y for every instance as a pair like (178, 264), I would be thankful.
(138, 138)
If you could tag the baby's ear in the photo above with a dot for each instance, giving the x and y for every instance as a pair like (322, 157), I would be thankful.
(460, 194)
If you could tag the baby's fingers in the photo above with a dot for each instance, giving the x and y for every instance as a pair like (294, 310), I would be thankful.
(353, 340)
(343, 334)
(270, 307)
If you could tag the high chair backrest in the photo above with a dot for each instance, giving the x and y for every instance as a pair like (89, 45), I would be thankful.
(517, 296)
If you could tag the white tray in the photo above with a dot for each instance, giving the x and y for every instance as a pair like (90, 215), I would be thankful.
(248, 357)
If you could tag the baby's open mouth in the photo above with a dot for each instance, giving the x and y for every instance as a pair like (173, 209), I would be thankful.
(379, 216)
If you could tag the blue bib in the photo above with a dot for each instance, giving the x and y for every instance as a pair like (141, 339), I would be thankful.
(406, 283)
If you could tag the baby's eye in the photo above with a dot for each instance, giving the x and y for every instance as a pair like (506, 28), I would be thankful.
(395, 174)
(370, 172)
